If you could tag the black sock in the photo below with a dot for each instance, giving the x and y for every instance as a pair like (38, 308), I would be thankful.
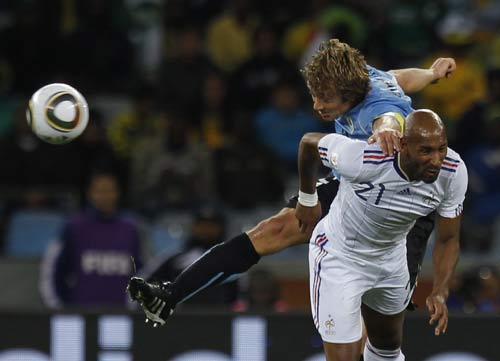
(221, 262)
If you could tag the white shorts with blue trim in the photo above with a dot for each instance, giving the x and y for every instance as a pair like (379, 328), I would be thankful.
(339, 284)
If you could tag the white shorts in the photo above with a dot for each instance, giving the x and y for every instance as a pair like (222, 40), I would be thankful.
(339, 283)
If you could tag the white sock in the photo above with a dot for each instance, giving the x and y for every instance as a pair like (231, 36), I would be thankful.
(374, 354)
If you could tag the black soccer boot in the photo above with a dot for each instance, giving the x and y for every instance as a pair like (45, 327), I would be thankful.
(153, 298)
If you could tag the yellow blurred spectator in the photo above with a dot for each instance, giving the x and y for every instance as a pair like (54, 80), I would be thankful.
(229, 38)
(131, 126)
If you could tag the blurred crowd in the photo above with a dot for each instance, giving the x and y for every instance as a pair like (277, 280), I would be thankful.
(199, 102)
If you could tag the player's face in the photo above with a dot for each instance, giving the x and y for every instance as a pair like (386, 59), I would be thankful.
(103, 193)
(331, 108)
(425, 157)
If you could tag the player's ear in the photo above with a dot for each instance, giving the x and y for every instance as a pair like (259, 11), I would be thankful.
(403, 144)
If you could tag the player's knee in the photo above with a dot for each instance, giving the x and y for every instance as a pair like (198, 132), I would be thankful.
(384, 332)
(272, 235)
(386, 341)
(373, 353)
(266, 236)
(342, 351)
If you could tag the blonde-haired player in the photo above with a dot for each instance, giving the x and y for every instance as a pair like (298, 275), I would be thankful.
(363, 103)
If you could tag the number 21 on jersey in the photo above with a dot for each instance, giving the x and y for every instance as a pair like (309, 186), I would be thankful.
(367, 187)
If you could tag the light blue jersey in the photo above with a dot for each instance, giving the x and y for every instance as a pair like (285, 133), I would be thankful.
(385, 96)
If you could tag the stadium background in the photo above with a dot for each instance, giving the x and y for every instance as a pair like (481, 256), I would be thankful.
(188, 104)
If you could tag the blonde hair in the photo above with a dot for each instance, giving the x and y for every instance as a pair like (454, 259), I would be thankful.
(337, 69)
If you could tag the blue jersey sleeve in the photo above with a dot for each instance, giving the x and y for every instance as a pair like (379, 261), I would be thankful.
(385, 96)
(369, 113)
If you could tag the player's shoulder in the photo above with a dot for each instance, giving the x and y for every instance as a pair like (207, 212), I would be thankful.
(375, 162)
(453, 169)
(74, 225)
(451, 163)
(374, 72)
(452, 155)
(386, 96)
(373, 154)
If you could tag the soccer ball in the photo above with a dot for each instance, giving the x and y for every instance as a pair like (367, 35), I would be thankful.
(57, 113)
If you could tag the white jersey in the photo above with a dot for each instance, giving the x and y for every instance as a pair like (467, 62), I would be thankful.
(377, 205)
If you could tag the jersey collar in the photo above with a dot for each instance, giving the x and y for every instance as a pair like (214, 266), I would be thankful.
(397, 167)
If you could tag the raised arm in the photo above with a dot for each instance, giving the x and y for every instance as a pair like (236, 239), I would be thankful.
(444, 259)
(308, 210)
(388, 127)
(413, 80)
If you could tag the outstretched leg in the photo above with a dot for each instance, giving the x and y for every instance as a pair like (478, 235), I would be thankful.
(223, 262)
(226, 261)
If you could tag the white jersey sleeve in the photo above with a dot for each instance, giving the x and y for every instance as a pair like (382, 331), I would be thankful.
(342, 154)
(452, 204)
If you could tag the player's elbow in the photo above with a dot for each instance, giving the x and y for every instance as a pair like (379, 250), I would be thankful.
(404, 81)
(405, 84)
(311, 139)
(451, 243)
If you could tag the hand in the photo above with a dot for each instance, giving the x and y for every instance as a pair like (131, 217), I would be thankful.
(436, 304)
(443, 67)
(307, 217)
(389, 139)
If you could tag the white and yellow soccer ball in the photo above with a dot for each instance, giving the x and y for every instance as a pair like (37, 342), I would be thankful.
(57, 113)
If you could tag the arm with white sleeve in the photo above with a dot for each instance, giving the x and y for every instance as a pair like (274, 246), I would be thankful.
(332, 150)
(446, 248)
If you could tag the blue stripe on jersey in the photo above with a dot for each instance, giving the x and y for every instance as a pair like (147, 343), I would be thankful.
(323, 148)
(318, 288)
(451, 160)
(319, 236)
(317, 284)
(453, 170)
(378, 161)
(321, 240)
(374, 151)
